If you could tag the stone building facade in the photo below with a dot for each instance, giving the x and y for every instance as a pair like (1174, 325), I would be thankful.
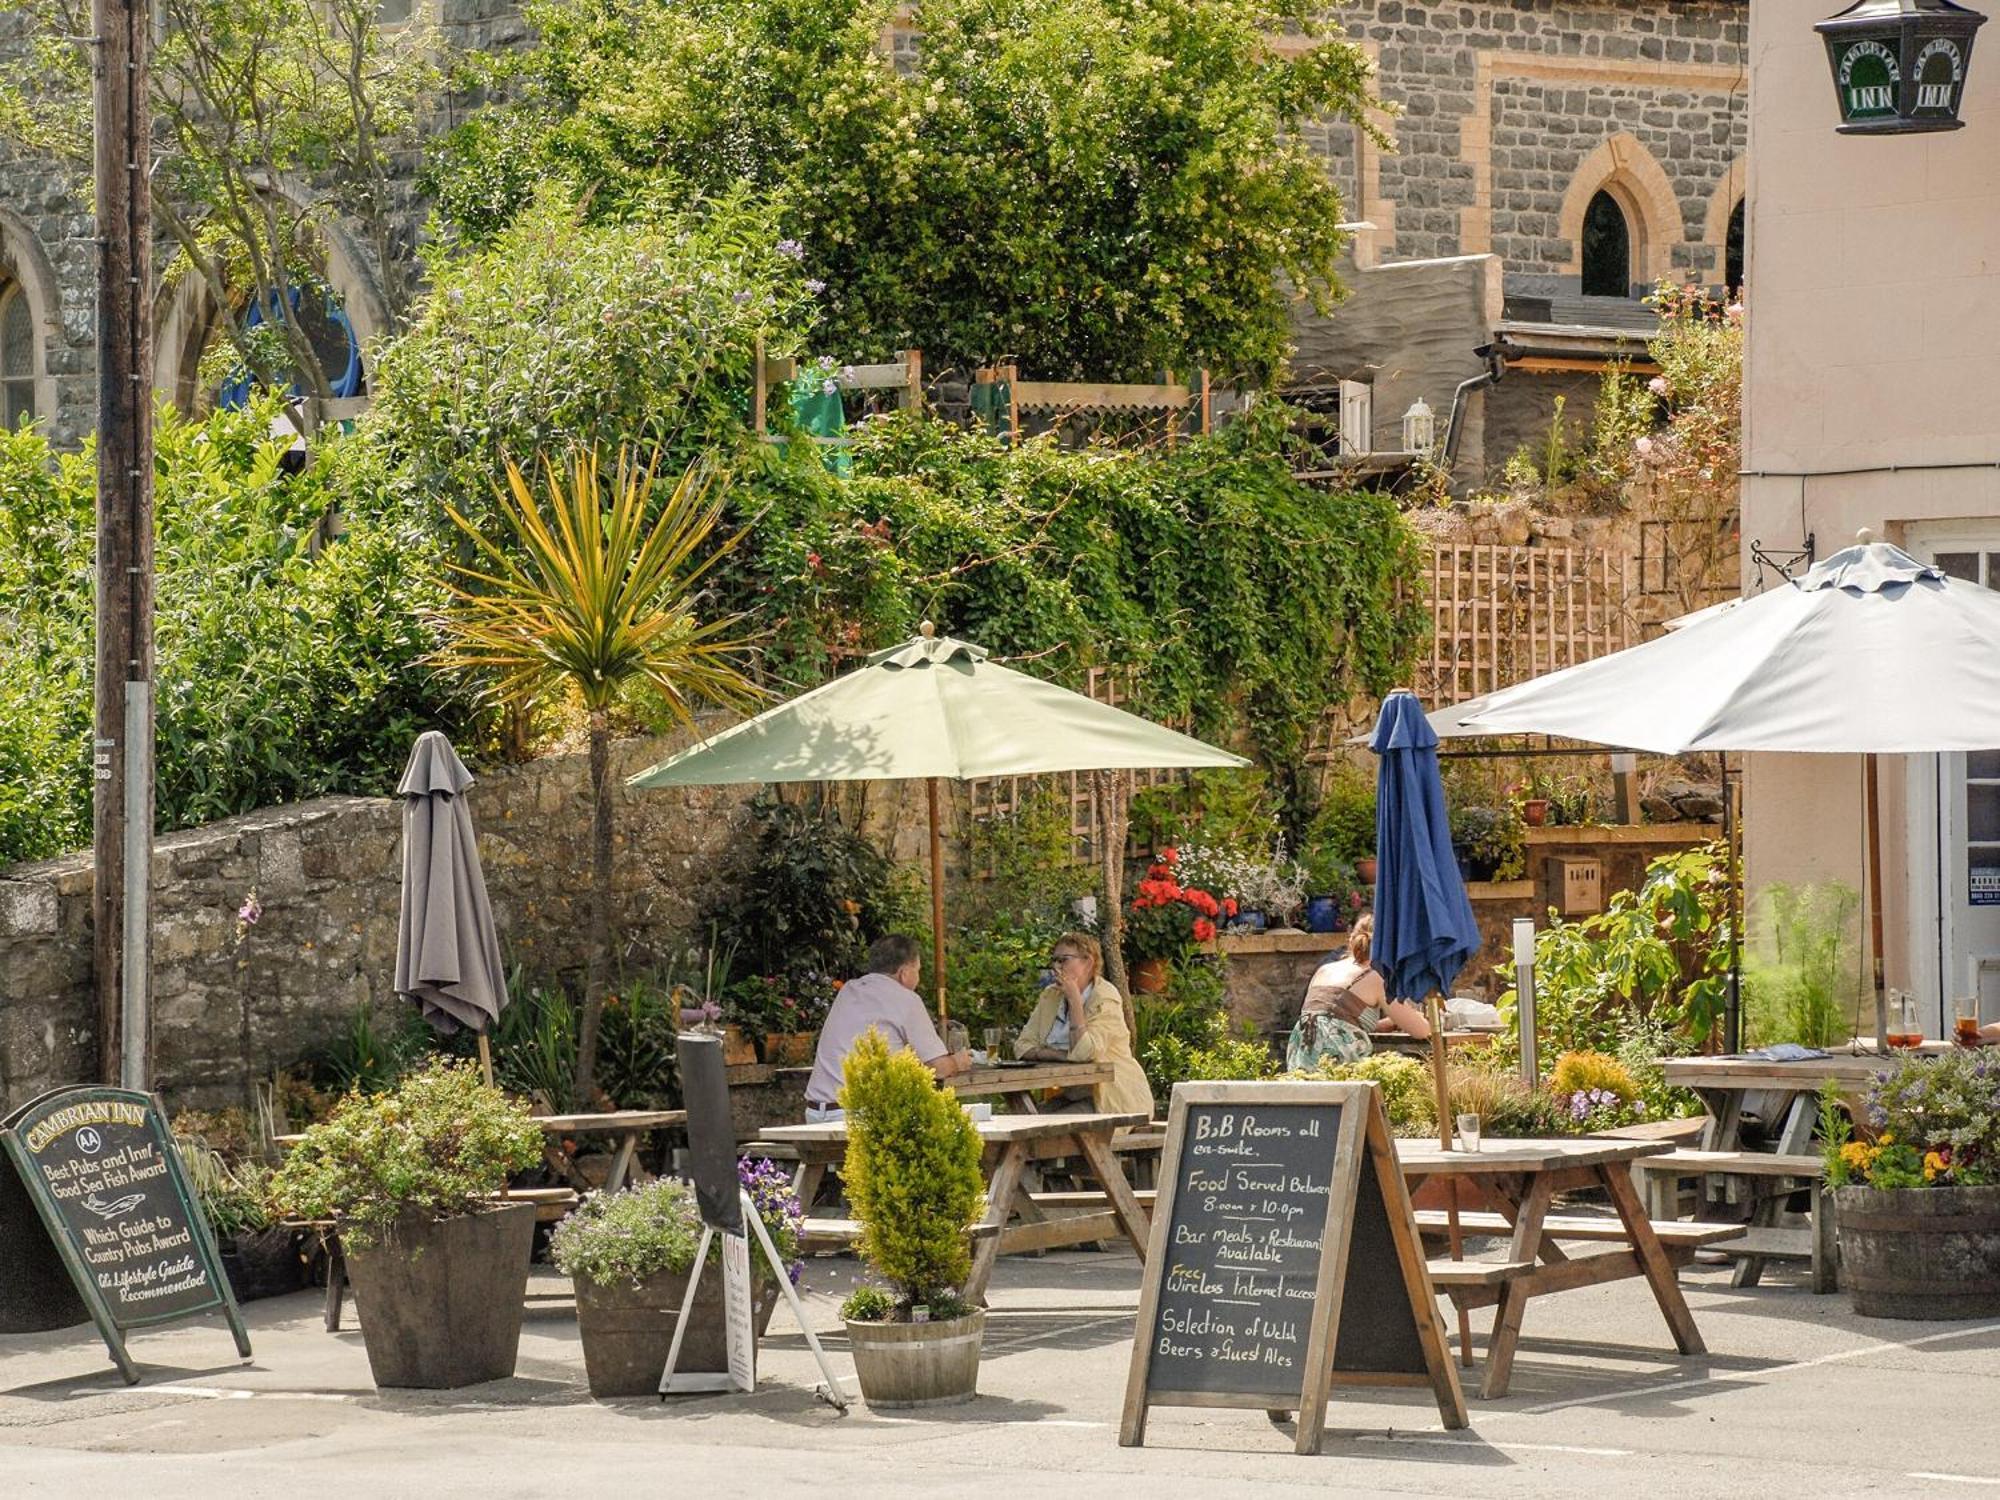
(1516, 121)
(1589, 149)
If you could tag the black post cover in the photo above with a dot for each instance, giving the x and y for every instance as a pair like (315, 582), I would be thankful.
(711, 1133)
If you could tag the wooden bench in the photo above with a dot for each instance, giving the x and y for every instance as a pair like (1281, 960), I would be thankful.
(830, 1236)
(1762, 1240)
(1671, 1232)
(1446, 1273)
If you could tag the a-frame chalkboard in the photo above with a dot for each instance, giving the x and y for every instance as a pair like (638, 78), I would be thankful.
(102, 1170)
(1284, 1260)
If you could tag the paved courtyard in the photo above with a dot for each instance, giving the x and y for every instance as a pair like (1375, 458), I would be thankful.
(1798, 1397)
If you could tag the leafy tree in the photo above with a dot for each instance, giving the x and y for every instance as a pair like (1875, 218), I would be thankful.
(1097, 187)
(273, 120)
(291, 662)
(596, 598)
(564, 335)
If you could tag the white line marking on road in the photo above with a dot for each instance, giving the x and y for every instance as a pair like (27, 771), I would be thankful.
(1954, 1478)
(1717, 1377)
(1473, 1442)
(236, 1393)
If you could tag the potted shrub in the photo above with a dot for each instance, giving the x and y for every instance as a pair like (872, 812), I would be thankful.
(260, 1257)
(1167, 921)
(410, 1180)
(1918, 1206)
(913, 1178)
(630, 1254)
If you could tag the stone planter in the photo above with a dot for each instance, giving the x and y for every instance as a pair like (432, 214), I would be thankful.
(627, 1330)
(737, 1047)
(267, 1263)
(902, 1365)
(440, 1299)
(1929, 1253)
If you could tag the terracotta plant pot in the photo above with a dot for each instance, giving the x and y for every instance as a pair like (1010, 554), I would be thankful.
(737, 1048)
(1364, 870)
(1150, 975)
(1535, 812)
(790, 1049)
(1920, 1252)
(440, 1299)
(627, 1330)
(903, 1365)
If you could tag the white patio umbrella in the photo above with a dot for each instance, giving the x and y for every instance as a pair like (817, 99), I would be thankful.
(1871, 652)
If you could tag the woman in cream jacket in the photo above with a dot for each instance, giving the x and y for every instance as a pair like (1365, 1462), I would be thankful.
(1081, 1018)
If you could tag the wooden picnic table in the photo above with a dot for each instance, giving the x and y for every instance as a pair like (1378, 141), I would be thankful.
(1511, 1186)
(1725, 1083)
(1403, 1042)
(1022, 1086)
(628, 1125)
(1011, 1144)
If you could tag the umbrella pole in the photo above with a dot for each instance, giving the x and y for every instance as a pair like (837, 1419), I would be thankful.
(1874, 826)
(486, 1059)
(1434, 1012)
(937, 900)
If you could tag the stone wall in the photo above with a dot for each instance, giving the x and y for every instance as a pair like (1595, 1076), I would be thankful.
(232, 1003)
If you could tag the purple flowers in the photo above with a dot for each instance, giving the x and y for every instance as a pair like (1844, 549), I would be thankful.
(1585, 1103)
(248, 914)
(791, 249)
(815, 285)
(778, 1205)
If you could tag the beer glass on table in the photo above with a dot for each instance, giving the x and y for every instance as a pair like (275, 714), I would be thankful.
(1965, 1021)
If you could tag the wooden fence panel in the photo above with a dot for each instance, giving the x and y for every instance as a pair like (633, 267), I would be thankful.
(1501, 615)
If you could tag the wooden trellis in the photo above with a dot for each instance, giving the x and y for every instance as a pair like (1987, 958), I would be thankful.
(1000, 796)
(1504, 614)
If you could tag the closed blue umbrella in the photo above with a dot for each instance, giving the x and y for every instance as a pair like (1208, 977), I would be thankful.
(1424, 928)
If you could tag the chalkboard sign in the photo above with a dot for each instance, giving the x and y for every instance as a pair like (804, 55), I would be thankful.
(1283, 1258)
(102, 1170)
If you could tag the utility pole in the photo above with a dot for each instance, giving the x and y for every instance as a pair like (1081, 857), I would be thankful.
(122, 758)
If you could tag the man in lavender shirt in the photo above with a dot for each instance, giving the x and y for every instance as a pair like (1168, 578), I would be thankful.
(884, 999)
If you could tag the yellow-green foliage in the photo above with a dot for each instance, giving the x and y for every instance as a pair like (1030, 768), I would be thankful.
(1576, 1071)
(912, 1170)
(1405, 1084)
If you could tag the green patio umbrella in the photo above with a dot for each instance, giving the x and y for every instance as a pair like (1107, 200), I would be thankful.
(932, 709)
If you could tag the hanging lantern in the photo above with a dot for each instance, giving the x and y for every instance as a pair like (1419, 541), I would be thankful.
(1899, 65)
(1419, 427)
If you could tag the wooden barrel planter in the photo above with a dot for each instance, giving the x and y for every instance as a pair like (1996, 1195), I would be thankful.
(1931, 1253)
(917, 1364)
(627, 1330)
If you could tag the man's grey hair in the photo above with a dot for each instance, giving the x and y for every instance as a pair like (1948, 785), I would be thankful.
(891, 952)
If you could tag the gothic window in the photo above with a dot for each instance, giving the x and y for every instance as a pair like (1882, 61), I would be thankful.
(17, 356)
(1607, 249)
(331, 335)
(1732, 254)
(394, 12)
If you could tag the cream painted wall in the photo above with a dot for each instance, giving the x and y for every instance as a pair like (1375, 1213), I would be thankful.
(1873, 340)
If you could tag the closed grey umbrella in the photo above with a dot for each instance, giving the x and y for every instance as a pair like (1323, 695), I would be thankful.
(447, 951)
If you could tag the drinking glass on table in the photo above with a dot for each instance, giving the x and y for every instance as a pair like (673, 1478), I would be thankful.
(1468, 1131)
(995, 1038)
(1965, 1021)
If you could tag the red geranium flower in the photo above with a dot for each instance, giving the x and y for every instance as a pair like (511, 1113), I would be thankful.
(1229, 906)
(1204, 930)
(1170, 856)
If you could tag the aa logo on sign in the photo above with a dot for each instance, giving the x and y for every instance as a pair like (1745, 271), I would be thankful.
(88, 1141)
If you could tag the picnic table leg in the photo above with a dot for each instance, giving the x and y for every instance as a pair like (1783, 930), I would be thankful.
(1525, 1245)
(1457, 1240)
(621, 1162)
(1653, 1260)
(1000, 1193)
(1825, 1244)
(807, 1183)
(336, 1281)
(1103, 1161)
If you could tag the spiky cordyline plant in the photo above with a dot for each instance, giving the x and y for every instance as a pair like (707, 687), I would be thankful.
(597, 593)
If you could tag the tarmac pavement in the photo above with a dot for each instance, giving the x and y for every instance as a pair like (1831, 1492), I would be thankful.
(1797, 1397)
